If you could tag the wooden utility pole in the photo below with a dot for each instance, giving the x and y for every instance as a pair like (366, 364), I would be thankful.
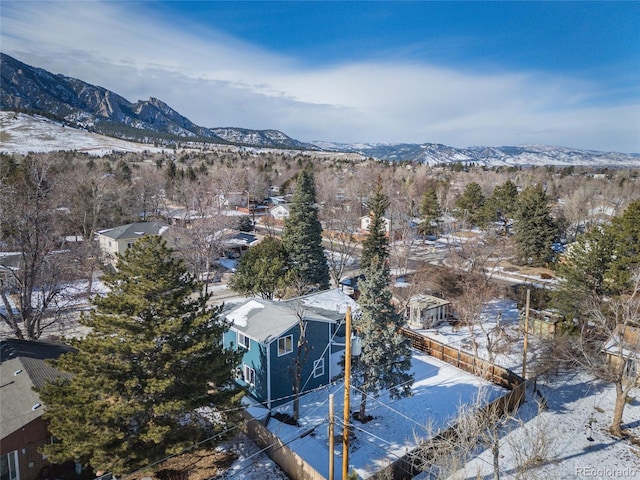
(526, 335)
(347, 398)
(331, 437)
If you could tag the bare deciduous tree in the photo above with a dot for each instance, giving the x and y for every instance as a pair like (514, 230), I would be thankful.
(609, 347)
(479, 426)
(29, 221)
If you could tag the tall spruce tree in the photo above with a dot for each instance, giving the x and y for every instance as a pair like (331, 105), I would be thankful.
(626, 232)
(385, 361)
(151, 362)
(430, 212)
(599, 264)
(376, 243)
(584, 273)
(302, 235)
(534, 228)
(470, 205)
(501, 205)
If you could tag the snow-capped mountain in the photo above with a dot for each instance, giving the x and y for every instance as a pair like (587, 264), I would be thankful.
(33, 90)
(524, 155)
(74, 103)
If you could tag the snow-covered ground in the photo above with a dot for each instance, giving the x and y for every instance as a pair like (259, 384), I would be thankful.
(575, 422)
(574, 426)
(21, 134)
(397, 426)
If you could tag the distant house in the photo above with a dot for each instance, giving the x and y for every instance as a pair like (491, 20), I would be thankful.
(23, 431)
(365, 222)
(179, 216)
(280, 212)
(268, 331)
(392, 226)
(624, 348)
(236, 244)
(115, 241)
(426, 311)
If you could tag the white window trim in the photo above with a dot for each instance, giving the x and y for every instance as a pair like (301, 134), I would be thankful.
(247, 374)
(14, 467)
(246, 344)
(318, 368)
(284, 350)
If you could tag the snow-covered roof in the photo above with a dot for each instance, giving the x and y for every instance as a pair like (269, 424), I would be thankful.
(428, 301)
(625, 342)
(266, 320)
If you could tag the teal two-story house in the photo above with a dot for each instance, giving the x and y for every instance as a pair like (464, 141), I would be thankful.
(268, 332)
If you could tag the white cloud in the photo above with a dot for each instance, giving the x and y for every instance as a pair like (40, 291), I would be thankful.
(215, 80)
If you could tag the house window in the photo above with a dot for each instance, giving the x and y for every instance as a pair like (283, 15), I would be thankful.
(249, 375)
(630, 368)
(318, 368)
(243, 341)
(9, 466)
(285, 345)
(129, 245)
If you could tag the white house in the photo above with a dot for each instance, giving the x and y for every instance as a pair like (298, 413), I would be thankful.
(280, 212)
(365, 222)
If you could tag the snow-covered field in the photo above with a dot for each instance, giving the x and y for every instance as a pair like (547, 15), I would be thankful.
(21, 134)
(575, 427)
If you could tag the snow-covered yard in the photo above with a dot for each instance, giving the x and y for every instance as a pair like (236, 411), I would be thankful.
(575, 428)
(397, 426)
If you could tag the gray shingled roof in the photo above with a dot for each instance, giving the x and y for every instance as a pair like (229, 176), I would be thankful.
(23, 367)
(135, 230)
(266, 320)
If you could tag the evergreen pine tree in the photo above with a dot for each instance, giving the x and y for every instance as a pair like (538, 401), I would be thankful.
(583, 275)
(501, 205)
(302, 235)
(599, 264)
(385, 360)
(152, 360)
(376, 244)
(626, 231)
(534, 229)
(469, 206)
(430, 212)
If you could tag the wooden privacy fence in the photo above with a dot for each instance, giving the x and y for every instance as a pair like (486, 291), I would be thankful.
(289, 461)
(463, 360)
(413, 462)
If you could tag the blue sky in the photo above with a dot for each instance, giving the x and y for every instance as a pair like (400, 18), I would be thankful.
(457, 73)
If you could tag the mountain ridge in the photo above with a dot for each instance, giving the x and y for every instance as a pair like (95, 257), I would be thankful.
(523, 155)
(33, 90)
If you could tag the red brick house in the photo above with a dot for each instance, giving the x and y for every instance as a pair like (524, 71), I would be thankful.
(23, 431)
